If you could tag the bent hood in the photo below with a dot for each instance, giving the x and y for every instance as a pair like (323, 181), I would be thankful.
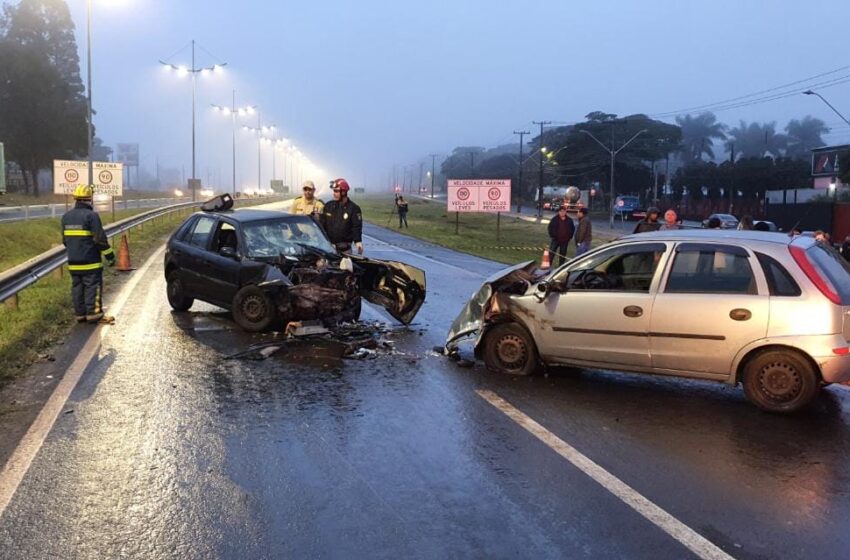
(470, 318)
(397, 287)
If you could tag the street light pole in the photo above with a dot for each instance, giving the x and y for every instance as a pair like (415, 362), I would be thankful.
(88, 89)
(433, 160)
(540, 184)
(810, 92)
(233, 111)
(613, 154)
(519, 171)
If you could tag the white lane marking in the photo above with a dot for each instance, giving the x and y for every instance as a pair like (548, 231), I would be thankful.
(429, 259)
(695, 542)
(21, 460)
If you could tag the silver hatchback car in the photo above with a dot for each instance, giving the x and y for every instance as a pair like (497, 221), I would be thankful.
(751, 307)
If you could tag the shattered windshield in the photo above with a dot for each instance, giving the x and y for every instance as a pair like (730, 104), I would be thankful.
(284, 236)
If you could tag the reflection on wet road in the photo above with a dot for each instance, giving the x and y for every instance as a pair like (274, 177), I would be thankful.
(168, 450)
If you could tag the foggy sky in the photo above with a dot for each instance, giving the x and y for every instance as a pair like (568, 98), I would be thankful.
(361, 85)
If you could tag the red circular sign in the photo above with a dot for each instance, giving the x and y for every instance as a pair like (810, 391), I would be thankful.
(463, 193)
(71, 175)
(105, 177)
(494, 193)
(621, 202)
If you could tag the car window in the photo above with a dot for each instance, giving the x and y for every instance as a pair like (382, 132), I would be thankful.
(706, 269)
(779, 280)
(225, 236)
(834, 267)
(184, 231)
(201, 232)
(620, 269)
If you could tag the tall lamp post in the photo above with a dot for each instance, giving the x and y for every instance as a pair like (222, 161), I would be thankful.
(260, 130)
(194, 71)
(810, 92)
(88, 90)
(613, 154)
(233, 111)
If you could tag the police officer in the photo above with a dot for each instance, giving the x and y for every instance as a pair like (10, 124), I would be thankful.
(308, 204)
(342, 220)
(87, 245)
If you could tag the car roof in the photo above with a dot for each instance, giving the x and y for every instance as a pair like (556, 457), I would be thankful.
(717, 235)
(249, 215)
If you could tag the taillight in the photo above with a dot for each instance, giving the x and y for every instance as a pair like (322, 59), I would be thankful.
(808, 267)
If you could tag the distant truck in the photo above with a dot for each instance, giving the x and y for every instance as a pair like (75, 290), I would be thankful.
(628, 207)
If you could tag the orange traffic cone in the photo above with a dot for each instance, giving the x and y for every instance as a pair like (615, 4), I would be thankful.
(547, 262)
(124, 255)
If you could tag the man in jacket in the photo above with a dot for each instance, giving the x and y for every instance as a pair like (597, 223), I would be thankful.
(561, 230)
(308, 204)
(342, 219)
(86, 244)
(401, 206)
(650, 223)
(584, 233)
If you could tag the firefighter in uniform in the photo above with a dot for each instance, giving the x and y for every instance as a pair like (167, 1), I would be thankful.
(342, 220)
(308, 204)
(87, 245)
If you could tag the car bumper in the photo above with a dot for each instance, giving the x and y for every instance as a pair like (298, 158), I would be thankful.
(834, 369)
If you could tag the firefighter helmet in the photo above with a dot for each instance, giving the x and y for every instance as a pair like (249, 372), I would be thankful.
(83, 192)
(340, 184)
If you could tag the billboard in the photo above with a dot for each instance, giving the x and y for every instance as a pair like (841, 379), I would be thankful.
(479, 195)
(108, 177)
(825, 161)
(128, 154)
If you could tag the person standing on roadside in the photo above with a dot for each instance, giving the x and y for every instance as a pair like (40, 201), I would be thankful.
(401, 205)
(87, 246)
(308, 204)
(342, 219)
(671, 220)
(561, 230)
(584, 232)
(650, 222)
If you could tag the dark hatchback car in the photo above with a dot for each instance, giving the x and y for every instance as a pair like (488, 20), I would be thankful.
(270, 267)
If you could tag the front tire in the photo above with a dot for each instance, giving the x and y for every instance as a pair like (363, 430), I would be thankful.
(253, 309)
(780, 381)
(176, 292)
(508, 348)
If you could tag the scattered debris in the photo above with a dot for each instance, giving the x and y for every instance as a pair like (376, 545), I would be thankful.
(464, 363)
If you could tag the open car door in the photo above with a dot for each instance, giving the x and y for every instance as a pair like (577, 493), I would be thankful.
(397, 287)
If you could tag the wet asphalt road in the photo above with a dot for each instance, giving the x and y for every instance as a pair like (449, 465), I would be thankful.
(166, 450)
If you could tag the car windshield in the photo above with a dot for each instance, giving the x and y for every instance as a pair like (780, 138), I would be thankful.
(284, 236)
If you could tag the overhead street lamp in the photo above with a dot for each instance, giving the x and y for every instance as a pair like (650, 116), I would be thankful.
(260, 130)
(233, 111)
(810, 92)
(613, 153)
(194, 71)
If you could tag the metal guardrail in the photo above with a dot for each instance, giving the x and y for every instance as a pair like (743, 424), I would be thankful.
(28, 212)
(28, 273)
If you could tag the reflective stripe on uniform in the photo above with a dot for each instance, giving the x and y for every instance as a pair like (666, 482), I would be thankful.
(81, 267)
(107, 252)
(77, 233)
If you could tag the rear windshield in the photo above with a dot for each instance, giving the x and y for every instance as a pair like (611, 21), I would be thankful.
(834, 267)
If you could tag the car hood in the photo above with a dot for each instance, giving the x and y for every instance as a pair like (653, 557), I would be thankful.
(397, 287)
(470, 318)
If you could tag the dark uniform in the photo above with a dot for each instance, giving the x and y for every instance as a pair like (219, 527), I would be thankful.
(343, 223)
(86, 243)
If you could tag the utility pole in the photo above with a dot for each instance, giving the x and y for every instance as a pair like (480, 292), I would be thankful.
(519, 171)
(731, 176)
(540, 182)
(433, 161)
(471, 164)
(419, 184)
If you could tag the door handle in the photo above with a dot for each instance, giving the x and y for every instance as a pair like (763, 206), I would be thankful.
(632, 311)
(740, 314)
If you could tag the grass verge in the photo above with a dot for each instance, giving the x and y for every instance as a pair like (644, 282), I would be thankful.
(519, 240)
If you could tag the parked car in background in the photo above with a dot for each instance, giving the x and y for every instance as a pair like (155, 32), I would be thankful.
(768, 311)
(727, 221)
(627, 207)
(764, 225)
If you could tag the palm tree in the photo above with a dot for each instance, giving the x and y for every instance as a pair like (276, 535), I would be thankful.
(698, 135)
(804, 135)
(756, 140)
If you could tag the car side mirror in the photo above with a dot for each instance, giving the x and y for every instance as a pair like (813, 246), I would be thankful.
(229, 252)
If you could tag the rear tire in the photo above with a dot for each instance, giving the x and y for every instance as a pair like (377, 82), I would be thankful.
(176, 293)
(253, 309)
(780, 381)
(508, 348)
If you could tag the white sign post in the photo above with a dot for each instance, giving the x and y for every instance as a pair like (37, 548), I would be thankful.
(479, 195)
(108, 177)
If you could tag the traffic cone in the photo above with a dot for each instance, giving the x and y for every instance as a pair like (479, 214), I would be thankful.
(547, 262)
(124, 255)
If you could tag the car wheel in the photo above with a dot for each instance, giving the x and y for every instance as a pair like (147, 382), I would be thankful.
(780, 381)
(509, 348)
(176, 292)
(253, 309)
